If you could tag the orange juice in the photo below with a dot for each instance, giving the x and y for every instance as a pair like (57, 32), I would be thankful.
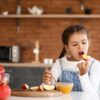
(64, 87)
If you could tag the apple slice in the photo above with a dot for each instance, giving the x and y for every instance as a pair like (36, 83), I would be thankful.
(40, 88)
(25, 86)
(49, 87)
(34, 88)
(85, 56)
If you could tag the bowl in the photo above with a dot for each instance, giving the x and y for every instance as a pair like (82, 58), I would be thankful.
(64, 87)
(5, 13)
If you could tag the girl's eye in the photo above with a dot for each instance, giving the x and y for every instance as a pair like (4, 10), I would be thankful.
(84, 42)
(74, 44)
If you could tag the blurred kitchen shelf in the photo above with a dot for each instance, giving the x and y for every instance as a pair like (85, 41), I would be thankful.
(24, 64)
(51, 16)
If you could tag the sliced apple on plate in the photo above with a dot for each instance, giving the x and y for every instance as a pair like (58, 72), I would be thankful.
(25, 86)
(40, 88)
(34, 88)
(49, 87)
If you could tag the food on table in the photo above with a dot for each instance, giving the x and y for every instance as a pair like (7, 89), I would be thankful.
(34, 88)
(49, 87)
(42, 87)
(64, 87)
(25, 86)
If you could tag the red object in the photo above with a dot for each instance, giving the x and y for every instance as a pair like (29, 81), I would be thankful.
(5, 91)
(2, 72)
(25, 86)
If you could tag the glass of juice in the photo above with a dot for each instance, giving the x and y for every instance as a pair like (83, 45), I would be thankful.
(64, 87)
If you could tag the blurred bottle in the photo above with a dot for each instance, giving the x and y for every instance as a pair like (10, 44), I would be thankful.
(18, 9)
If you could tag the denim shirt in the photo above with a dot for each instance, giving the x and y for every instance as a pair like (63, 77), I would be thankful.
(69, 76)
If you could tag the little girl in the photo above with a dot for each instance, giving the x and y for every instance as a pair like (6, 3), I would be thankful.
(70, 67)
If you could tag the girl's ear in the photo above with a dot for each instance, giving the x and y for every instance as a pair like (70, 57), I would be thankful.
(68, 54)
(67, 49)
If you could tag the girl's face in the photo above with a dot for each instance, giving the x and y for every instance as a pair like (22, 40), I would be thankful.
(77, 45)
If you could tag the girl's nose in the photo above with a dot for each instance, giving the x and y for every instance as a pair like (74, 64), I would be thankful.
(80, 46)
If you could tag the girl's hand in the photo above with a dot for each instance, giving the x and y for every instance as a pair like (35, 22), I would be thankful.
(47, 77)
(83, 67)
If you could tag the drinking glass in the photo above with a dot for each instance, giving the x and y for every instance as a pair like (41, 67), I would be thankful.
(6, 78)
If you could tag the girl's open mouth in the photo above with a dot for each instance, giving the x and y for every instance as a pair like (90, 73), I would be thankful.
(81, 53)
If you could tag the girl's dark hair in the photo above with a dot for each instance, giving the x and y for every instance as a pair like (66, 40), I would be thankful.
(70, 31)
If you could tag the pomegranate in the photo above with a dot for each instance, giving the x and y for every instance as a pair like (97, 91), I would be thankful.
(5, 91)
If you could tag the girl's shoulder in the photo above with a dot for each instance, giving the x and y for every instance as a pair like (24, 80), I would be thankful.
(93, 60)
(58, 61)
(65, 64)
(94, 63)
(61, 59)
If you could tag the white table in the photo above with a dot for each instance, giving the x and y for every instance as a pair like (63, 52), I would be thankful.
(72, 96)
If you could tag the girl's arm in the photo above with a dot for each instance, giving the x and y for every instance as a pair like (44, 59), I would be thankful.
(91, 82)
(56, 70)
(54, 73)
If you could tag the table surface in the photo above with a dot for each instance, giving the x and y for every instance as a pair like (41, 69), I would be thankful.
(71, 96)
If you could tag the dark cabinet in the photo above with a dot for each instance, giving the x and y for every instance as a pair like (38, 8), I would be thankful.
(19, 75)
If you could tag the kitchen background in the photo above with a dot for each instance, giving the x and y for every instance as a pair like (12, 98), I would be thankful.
(18, 27)
(25, 31)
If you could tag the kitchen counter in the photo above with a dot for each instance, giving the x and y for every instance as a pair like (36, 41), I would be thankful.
(33, 64)
(72, 96)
